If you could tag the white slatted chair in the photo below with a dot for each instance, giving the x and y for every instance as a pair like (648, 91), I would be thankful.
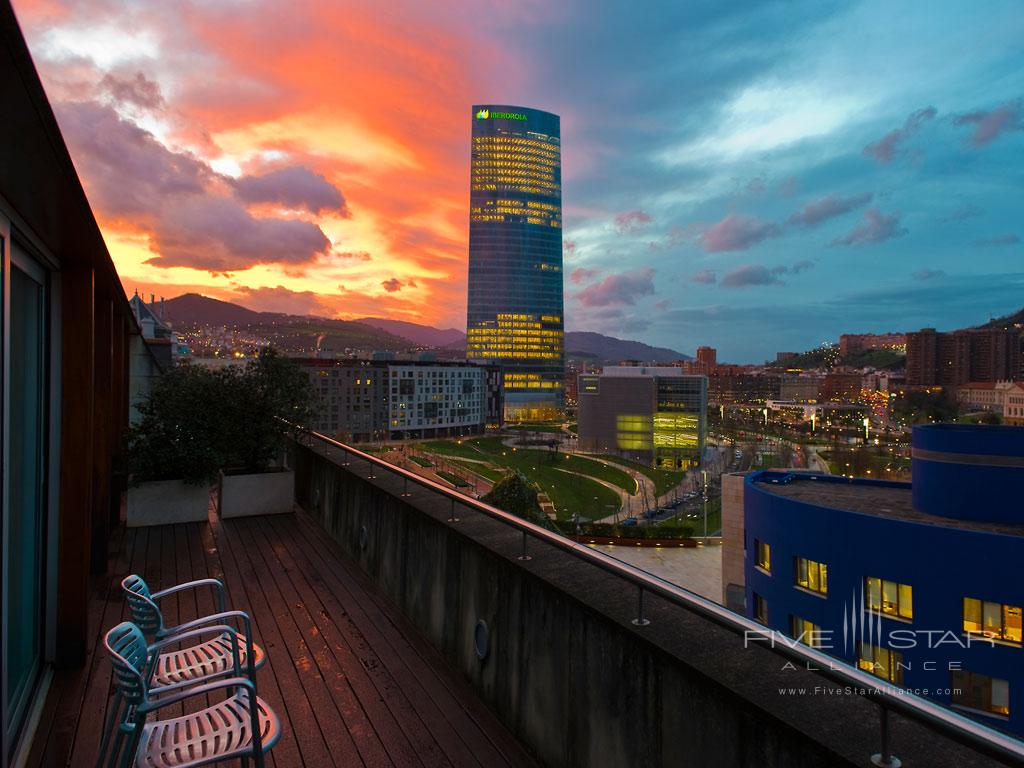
(240, 726)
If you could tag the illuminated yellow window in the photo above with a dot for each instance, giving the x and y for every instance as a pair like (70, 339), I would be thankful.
(995, 620)
(980, 692)
(805, 631)
(889, 598)
(881, 662)
(763, 555)
(811, 575)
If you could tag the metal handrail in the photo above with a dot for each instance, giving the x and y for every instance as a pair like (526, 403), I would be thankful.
(958, 727)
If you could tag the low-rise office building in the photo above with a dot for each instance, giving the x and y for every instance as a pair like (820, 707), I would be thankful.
(388, 399)
(653, 415)
(918, 583)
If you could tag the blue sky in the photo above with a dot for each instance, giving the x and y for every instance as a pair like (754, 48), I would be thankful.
(765, 176)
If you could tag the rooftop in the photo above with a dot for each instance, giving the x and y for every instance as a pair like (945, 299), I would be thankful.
(354, 684)
(869, 497)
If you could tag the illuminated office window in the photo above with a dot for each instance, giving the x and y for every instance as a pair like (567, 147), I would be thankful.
(995, 620)
(811, 575)
(881, 662)
(889, 598)
(763, 555)
(807, 632)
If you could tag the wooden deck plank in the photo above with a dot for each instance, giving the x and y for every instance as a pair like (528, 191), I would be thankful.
(419, 668)
(340, 672)
(353, 683)
(304, 728)
(313, 677)
(329, 577)
(286, 752)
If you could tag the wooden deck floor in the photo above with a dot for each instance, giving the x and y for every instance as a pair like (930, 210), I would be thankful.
(352, 682)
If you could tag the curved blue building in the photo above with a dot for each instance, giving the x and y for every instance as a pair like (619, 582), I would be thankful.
(920, 583)
(515, 306)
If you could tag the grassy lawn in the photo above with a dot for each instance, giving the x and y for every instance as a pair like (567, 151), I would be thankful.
(714, 517)
(494, 475)
(455, 480)
(571, 494)
(421, 461)
(664, 479)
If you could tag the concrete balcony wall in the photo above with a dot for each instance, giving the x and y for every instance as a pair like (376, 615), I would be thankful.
(567, 672)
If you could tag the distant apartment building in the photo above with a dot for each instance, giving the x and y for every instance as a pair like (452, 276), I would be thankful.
(371, 400)
(841, 387)
(654, 415)
(736, 388)
(856, 566)
(959, 357)
(784, 357)
(800, 389)
(1005, 398)
(853, 343)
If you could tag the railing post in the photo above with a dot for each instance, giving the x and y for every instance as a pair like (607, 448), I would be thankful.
(640, 621)
(885, 758)
(346, 461)
(405, 488)
(373, 471)
(524, 556)
(451, 514)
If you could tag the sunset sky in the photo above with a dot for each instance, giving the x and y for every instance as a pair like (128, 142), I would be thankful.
(756, 179)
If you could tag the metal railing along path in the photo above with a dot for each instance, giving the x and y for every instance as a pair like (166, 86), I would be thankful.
(957, 727)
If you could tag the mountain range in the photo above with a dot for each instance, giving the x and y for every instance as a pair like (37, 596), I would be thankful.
(304, 333)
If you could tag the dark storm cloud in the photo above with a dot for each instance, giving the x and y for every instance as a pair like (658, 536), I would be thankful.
(188, 208)
(295, 187)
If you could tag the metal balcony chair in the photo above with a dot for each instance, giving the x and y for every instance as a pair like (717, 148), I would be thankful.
(240, 726)
(205, 660)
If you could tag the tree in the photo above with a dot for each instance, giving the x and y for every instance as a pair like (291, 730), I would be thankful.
(267, 401)
(514, 494)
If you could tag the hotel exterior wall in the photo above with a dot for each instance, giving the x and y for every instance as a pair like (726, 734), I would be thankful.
(943, 564)
(969, 472)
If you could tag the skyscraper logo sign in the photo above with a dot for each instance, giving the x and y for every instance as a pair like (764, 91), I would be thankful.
(486, 114)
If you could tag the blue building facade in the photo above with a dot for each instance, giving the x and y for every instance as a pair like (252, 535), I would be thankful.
(515, 305)
(919, 583)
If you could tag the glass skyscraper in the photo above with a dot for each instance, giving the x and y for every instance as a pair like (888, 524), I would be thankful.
(515, 257)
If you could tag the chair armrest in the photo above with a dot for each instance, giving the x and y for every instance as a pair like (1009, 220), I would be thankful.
(199, 690)
(217, 584)
(220, 618)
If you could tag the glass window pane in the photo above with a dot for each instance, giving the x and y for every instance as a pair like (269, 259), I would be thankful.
(25, 503)
(812, 579)
(890, 597)
(992, 618)
(824, 578)
(906, 601)
(1012, 623)
(874, 593)
(1000, 696)
(972, 615)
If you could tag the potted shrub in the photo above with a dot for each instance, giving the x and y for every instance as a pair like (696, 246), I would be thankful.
(175, 449)
(266, 402)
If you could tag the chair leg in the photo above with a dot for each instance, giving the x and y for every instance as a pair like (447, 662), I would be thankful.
(109, 723)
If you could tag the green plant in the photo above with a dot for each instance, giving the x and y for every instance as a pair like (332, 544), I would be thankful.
(180, 430)
(515, 495)
(267, 402)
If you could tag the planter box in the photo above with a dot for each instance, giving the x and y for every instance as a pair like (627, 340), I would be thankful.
(163, 502)
(263, 493)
